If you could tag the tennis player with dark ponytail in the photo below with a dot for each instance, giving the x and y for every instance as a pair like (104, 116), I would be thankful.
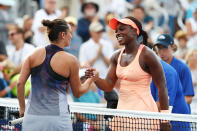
(134, 65)
(51, 69)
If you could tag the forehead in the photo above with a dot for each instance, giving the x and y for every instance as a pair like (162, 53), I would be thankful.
(122, 25)
(12, 30)
(161, 46)
(89, 6)
(138, 10)
(51, 1)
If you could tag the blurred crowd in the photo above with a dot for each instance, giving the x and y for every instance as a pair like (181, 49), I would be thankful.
(93, 42)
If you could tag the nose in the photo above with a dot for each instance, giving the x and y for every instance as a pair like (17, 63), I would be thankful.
(161, 52)
(117, 34)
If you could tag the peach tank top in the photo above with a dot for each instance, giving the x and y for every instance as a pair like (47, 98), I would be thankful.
(135, 91)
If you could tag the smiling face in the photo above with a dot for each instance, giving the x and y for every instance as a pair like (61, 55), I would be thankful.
(125, 34)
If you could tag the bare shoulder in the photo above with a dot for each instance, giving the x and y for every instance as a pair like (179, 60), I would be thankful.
(115, 56)
(69, 58)
(39, 52)
(148, 56)
(147, 53)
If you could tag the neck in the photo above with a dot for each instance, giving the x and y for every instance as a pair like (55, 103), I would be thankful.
(131, 47)
(59, 44)
(19, 44)
(49, 11)
(90, 18)
(95, 40)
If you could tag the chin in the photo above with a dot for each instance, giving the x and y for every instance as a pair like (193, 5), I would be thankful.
(121, 43)
(164, 59)
(67, 45)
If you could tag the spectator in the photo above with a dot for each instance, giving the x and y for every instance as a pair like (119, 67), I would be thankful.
(96, 52)
(49, 13)
(64, 12)
(146, 20)
(175, 94)
(27, 25)
(22, 50)
(6, 20)
(182, 50)
(191, 25)
(90, 11)
(6, 68)
(165, 45)
(191, 60)
(76, 41)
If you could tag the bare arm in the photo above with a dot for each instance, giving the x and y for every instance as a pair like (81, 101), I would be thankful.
(25, 72)
(155, 69)
(91, 62)
(75, 83)
(108, 83)
(106, 60)
(99, 52)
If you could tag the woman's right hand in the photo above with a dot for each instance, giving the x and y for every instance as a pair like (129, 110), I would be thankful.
(22, 111)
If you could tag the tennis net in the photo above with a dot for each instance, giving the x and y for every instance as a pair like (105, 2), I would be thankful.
(95, 117)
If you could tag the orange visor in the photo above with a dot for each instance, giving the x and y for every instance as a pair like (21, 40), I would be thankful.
(114, 22)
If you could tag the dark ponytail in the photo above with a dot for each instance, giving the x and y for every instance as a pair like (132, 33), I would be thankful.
(55, 27)
(143, 36)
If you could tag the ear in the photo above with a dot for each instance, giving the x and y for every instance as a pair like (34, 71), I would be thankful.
(63, 35)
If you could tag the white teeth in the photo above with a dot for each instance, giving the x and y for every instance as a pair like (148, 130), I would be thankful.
(120, 38)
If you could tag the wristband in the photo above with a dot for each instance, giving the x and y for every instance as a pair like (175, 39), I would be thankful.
(164, 111)
(7, 89)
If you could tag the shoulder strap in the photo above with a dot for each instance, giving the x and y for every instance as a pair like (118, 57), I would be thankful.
(119, 57)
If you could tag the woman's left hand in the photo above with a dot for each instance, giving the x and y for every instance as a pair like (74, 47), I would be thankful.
(91, 72)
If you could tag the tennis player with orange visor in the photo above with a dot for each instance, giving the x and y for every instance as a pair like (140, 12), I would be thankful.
(135, 66)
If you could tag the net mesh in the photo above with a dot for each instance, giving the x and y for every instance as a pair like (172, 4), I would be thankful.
(95, 117)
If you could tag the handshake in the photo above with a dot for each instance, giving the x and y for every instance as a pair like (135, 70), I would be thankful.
(92, 73)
